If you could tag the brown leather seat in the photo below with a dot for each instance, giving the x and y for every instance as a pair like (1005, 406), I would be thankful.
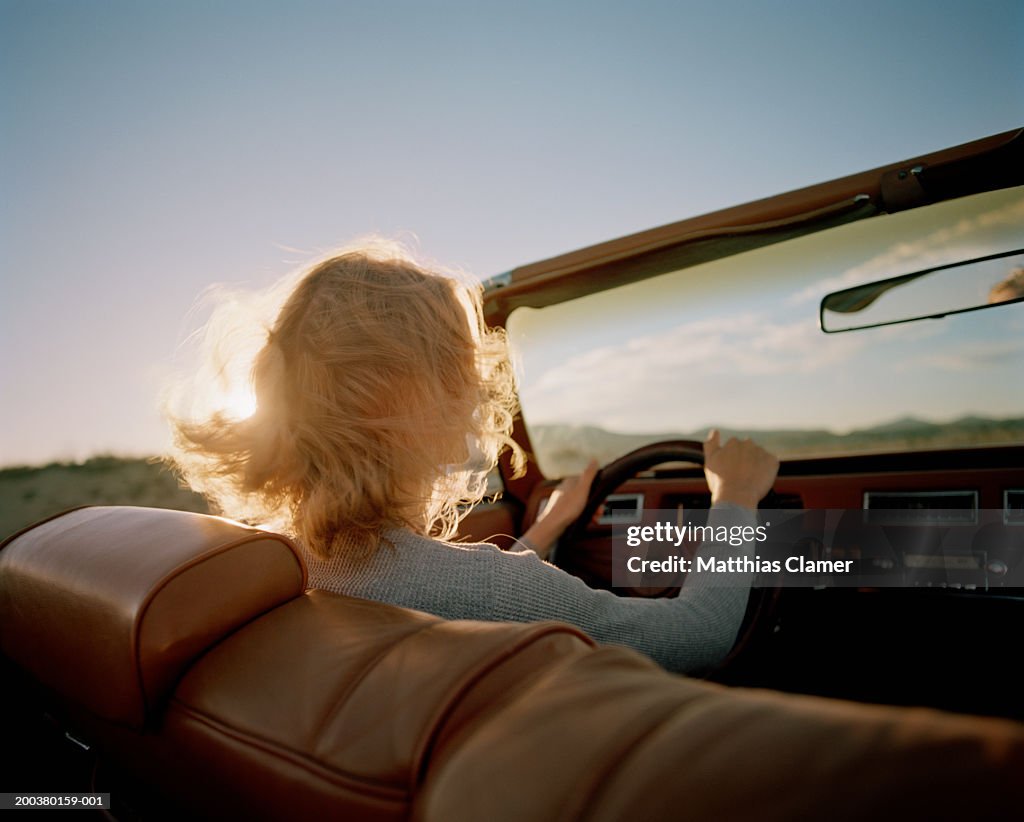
(187, 650)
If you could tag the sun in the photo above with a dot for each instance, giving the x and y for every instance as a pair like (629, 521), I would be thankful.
(239, 403)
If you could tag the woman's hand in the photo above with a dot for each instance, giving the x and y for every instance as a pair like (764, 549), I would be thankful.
(740, 472)
(564, 506)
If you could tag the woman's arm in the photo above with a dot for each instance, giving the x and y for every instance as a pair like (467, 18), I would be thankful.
(691, 631)
(564, 505)
(739, 472)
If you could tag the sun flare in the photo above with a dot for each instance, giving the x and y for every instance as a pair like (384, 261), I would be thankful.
(240, 403)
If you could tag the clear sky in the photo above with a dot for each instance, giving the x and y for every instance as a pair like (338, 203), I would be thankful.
(149, 149)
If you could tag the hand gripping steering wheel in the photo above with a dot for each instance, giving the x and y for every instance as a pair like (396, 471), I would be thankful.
(762, 607)
(617, 472)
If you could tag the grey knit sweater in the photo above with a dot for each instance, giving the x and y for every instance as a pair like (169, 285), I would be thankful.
(480, 581)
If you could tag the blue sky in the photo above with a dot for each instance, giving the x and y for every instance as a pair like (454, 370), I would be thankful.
(149, 149)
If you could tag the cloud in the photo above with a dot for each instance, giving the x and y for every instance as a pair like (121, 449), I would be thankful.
(974, 356)
(659, 368)
(965, 239)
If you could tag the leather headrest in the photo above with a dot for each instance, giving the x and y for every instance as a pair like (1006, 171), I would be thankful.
(109, 606)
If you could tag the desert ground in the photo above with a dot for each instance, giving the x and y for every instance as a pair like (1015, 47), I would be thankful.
(29, 494)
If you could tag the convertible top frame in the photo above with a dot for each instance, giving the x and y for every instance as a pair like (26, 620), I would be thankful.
(988, 164)
(982, 165)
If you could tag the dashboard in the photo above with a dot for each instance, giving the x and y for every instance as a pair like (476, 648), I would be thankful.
(945, 519)
(947, 638)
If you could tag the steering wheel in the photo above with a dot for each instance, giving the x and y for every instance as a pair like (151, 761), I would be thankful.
(762, 607)
(618, 471)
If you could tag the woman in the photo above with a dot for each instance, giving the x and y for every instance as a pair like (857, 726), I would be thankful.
(382, 402)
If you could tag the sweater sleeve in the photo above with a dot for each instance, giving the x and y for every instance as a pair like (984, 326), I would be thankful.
(693, 630)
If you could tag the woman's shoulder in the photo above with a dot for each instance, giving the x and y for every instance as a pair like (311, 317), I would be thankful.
(453, 580)
(403, 538)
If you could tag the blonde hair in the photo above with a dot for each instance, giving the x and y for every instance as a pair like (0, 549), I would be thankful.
(374, 379)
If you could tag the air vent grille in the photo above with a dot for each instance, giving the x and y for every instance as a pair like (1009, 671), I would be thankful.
(1013, 506)
(622, 509)
(921, 507)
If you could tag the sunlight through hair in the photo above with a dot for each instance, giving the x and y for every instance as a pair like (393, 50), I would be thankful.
(240, 403)
(362, 393)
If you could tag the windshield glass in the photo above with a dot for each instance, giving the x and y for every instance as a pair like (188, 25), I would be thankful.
(735, 344)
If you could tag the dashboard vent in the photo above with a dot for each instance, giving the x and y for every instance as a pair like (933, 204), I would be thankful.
(782, 501)
(688, 502)
(921, 507)
(702, 502)
(622, 509)
(1013, 506)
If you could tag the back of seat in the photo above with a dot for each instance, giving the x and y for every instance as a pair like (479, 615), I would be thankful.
(609, 736)
(185, 648)
(108, 606)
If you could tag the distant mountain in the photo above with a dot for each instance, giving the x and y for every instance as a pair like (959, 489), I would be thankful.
(565, 449)
(903, 424)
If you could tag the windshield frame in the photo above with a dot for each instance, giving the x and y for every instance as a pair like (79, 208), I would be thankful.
(865, 195)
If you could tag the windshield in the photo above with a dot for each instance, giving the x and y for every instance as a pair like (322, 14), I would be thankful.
(735, 344)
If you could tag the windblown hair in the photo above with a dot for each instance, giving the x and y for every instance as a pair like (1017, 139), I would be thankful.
(381, 400)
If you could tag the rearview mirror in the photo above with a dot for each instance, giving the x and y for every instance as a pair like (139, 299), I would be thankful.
(935, 292)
